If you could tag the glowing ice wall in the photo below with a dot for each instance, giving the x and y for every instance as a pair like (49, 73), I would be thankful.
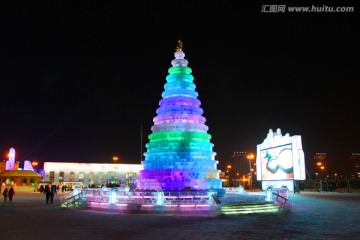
(28, 165)
(179, 153)
(10, 164)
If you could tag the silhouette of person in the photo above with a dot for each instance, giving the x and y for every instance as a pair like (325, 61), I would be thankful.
(6, 194)
(52, 193)
(11, 194)
(47, 194)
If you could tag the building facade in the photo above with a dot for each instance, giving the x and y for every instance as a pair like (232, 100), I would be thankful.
(19, 178)
(97, 174)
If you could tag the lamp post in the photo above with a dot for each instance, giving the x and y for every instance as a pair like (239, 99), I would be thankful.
(230, 175)
(114, 180)
(34, 164)
(115, 159)
(322, 168)
(250, 157)
(237, 180)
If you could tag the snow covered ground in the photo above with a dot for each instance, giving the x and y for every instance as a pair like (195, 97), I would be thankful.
(313, 216)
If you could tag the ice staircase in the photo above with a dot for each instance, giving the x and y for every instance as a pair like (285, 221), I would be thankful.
(250, 208)
(72, 201)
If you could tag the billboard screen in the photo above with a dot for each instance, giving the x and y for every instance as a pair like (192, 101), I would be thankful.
(277, 163)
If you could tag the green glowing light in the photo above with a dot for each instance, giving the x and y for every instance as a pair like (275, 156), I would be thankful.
(179, 136)
(180, 69)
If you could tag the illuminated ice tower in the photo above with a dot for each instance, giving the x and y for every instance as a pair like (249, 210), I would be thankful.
(10, 164)
(179, 153)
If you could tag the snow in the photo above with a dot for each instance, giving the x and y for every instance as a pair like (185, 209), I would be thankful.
(312, 215)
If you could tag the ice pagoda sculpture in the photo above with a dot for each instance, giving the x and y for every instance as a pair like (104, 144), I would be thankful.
(179, 152)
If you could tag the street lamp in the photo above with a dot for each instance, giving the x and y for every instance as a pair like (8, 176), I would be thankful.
(322, 171)
(250, 157)
(322, 168)
(115, 159)
(35, 165)
(321, 165)
(230, 177)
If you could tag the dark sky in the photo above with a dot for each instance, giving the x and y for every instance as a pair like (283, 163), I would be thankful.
(78, 80)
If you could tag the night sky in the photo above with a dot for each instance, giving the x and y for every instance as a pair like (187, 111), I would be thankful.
(79, 80)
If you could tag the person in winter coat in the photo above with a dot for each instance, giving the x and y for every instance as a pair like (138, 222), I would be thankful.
(47, 193)
(5, 193)
(52, 193)
(11, 194)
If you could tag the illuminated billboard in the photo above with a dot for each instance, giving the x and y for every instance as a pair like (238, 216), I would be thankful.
(277, 163)
(280, 158)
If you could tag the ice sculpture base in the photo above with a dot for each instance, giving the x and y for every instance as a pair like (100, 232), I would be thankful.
(174, 202)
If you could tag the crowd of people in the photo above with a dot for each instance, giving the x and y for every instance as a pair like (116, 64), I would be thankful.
(56, 188)
(51, 190)
(48, 190)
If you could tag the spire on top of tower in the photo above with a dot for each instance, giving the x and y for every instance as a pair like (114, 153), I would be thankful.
(179, 56)
(179, 47)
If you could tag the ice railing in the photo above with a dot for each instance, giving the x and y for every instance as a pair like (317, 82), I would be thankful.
(159, 197)
(279, 196)
(72, 199)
